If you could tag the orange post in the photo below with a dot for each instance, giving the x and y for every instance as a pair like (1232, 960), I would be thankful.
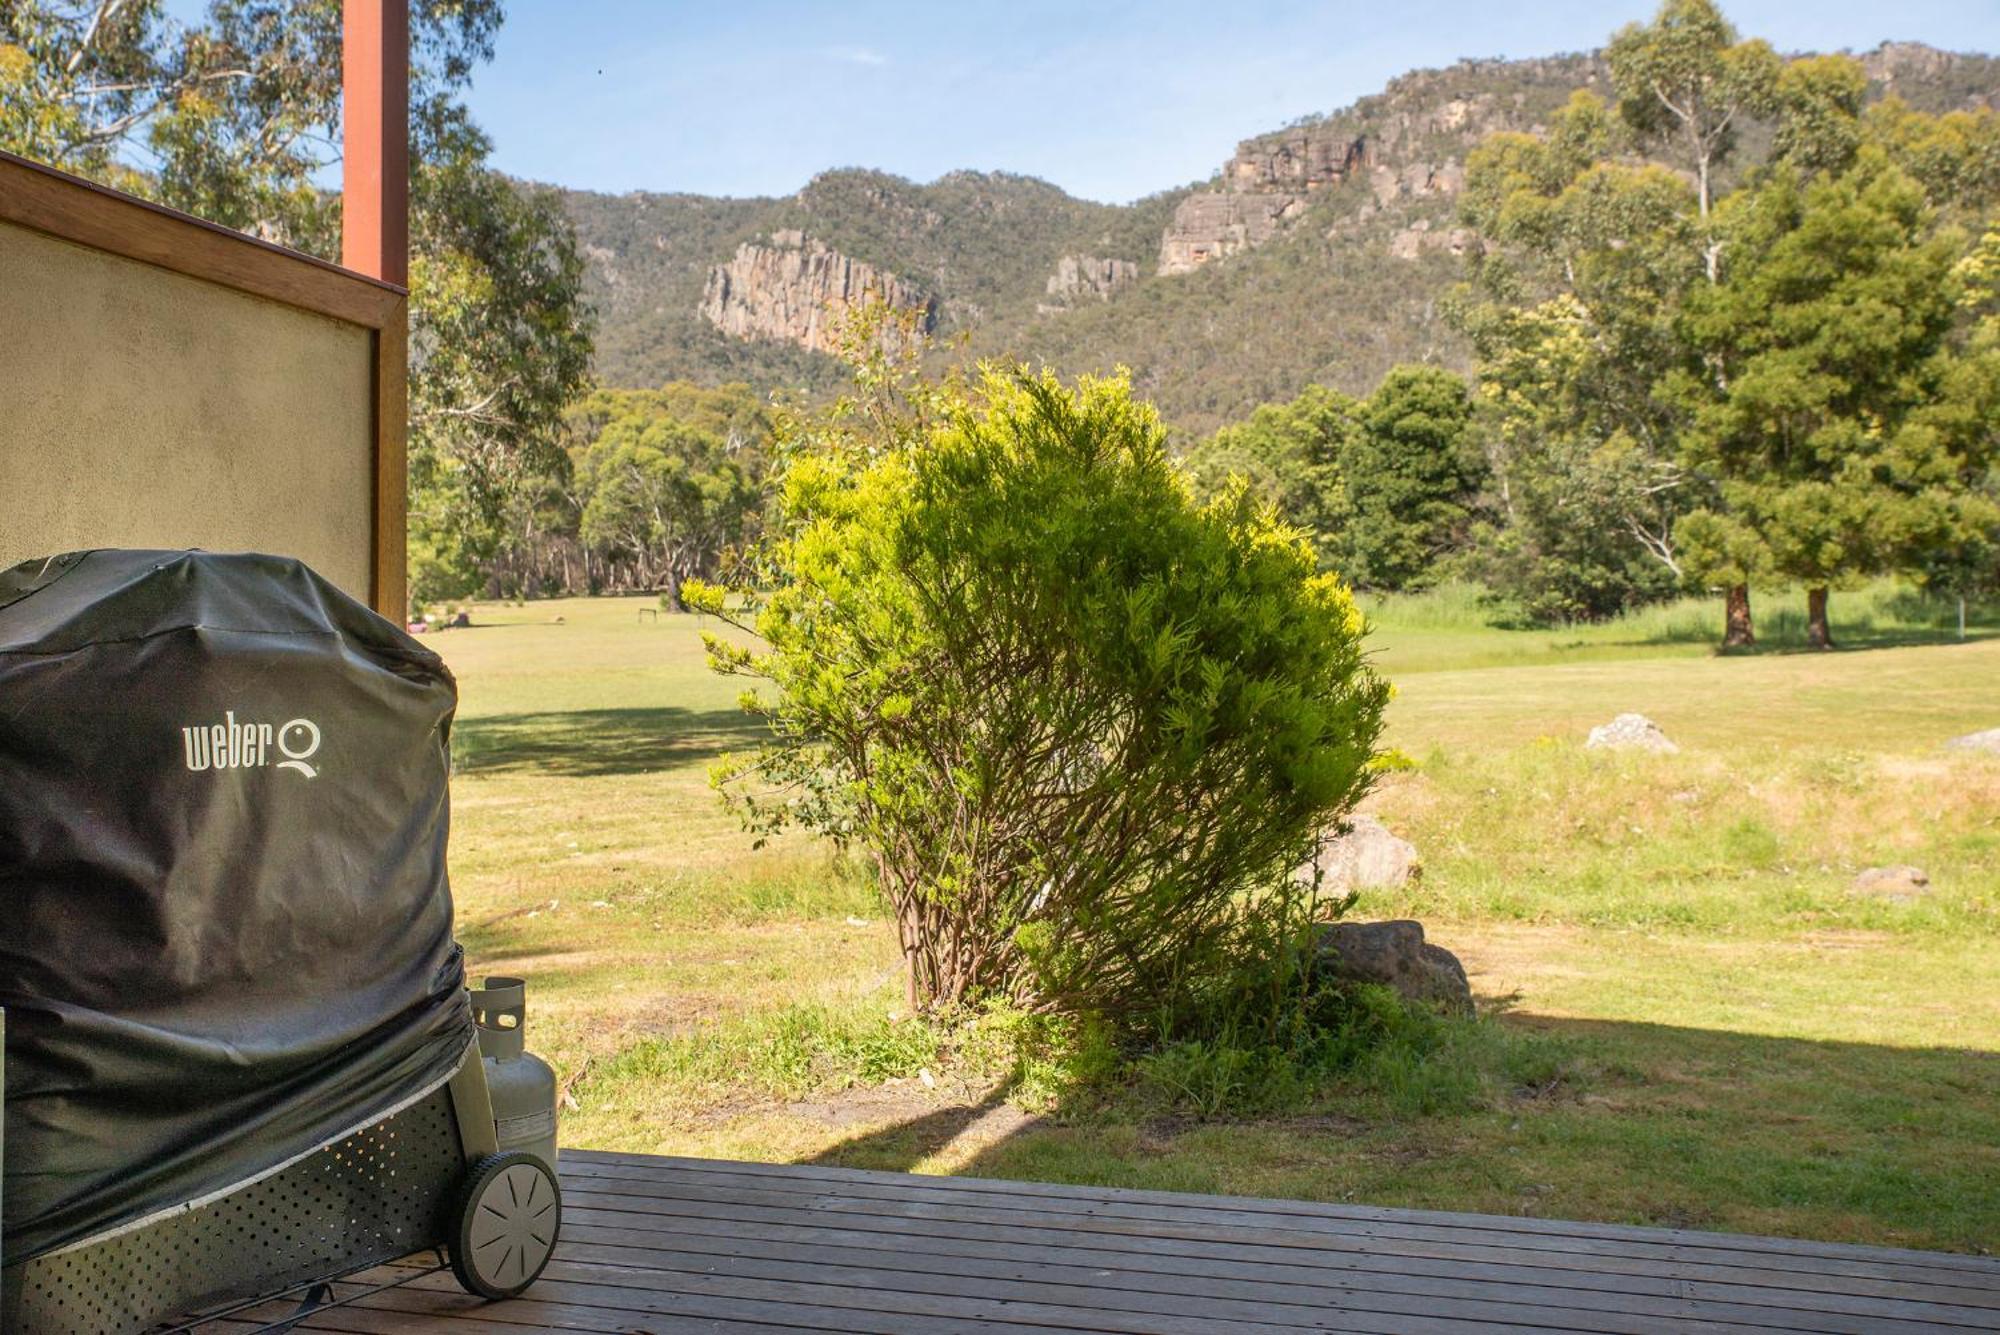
(375, 120)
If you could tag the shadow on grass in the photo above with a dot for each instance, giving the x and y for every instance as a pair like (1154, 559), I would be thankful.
(1852, 639)
(1668, 1126)
(583, 743)
(901, 1146)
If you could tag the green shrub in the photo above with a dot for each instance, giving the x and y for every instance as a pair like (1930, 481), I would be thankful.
(1082, 725)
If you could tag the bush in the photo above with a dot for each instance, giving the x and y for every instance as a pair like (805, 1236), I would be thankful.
(1082, 725)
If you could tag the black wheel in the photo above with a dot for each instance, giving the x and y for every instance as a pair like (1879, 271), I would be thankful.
(504, 1228)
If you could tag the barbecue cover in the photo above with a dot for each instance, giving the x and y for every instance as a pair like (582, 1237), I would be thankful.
(225, 929)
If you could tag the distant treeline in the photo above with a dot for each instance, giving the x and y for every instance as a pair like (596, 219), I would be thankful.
(653, 488)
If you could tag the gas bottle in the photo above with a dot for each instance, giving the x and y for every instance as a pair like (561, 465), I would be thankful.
(521, 1085)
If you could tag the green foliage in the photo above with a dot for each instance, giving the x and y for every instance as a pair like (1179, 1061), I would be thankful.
(1572, 319)
(1833, 417)
(1288, 455)
(1384, 486)
(1819, 101)
(1954, 155)
(1686, 81)
(670, 482)
(499, 347)
(1764, 387)
(1412, 471)
(1082, 725)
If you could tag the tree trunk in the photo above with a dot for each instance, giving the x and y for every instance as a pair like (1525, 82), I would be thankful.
(1818, 634)
(1737, 631)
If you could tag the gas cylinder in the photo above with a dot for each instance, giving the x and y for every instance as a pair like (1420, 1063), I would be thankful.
(521, 1085)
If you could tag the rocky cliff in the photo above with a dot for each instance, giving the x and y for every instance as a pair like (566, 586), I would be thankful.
(791, 289)
(1407, 143)
(1081, 278)
(1213, 223)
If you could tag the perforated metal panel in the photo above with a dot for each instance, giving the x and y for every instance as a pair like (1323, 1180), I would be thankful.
(375, 1196)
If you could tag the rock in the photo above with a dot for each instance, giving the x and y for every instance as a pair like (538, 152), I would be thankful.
(1366, 857)
(1301, 158)
(1630, 732)
(1396, 955)
(1212, 223)
(1420, 237)
(1084, 277)
(1901, 883)
(790, 288)
(1977, 741)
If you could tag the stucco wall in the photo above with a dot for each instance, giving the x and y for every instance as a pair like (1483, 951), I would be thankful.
(142, 408)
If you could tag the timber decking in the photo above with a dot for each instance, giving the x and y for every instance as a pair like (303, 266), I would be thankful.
(660, 1245)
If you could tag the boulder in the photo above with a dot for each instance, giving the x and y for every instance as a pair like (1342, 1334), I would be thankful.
(1900, 883)
(1364, 857)
(1630, 732)
(1396, 955)
(1977, 741)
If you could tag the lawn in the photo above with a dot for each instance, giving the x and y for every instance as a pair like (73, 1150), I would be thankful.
(1691, 1018)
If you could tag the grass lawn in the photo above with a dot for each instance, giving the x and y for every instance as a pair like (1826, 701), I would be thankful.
(1719, 1033)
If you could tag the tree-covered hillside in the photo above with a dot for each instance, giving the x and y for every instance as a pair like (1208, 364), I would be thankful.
(1347, 284)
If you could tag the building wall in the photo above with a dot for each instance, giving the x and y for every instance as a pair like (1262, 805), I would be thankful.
(145, 408)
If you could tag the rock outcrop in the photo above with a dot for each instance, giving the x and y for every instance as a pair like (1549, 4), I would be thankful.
(1263, 187)
(1988, 740)
(1297, 160)
(1395, 954)
(1416, 180)
(1214, 223)
(1411, 154)
(1903, 884)
(1366, 857)
(793, 289)
(1630, 732)
(1080, 278)
(1420, 238)
(1894, 66)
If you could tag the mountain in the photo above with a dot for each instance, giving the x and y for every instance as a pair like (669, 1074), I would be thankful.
(1317, 253)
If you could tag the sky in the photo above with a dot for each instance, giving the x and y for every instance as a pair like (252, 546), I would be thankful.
(1111, 100)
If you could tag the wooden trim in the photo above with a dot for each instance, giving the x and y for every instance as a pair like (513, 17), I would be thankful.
(390, 593)
(375, 130)
(40, 197)
(84, 213)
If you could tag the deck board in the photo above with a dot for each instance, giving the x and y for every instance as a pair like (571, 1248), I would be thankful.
(664, 1246)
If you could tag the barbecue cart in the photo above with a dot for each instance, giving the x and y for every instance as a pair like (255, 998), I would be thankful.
(241, 1059)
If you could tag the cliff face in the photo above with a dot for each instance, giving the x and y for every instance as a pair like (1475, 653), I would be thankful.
(1300, 159)
(1081, 278)
(792, 289)
(1407, 143)
(1215, 223)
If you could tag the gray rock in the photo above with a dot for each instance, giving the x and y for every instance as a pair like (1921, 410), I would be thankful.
(1630, 732)
(1366, 857)
(1396, 955)
(1977, 741)
(1901, 883)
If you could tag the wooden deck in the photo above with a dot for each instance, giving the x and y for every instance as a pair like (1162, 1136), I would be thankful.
(660, 1245)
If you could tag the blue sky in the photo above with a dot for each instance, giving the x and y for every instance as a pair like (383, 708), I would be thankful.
(1109, 100)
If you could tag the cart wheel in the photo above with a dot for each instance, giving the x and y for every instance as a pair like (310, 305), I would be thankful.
(503, 1230)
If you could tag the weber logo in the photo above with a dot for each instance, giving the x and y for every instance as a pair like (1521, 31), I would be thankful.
(233, 745)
